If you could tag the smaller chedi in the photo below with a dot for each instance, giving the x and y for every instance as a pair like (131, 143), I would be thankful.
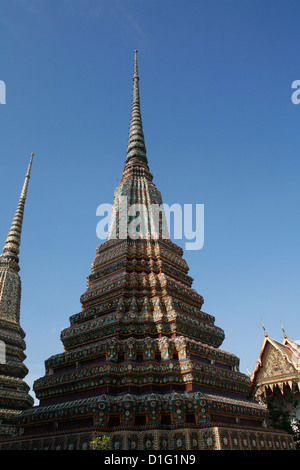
(14, 392)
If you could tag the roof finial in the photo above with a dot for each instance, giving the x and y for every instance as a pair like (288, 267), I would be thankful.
(284, 333)
(136, 143)
(266, 334)
(12, 245)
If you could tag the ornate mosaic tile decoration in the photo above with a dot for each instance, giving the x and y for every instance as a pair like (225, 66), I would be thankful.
(14, 396)
(141, 361)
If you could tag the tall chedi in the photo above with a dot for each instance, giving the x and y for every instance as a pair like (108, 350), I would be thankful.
(14, 396)
(141, 360)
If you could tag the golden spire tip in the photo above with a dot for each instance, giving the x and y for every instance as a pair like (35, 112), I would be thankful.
(284, 333)
(263, 327)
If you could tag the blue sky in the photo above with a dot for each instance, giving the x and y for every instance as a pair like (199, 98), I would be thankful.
(220, 130)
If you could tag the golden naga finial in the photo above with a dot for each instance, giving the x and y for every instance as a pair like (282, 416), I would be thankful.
(284, 333)
(266, 334)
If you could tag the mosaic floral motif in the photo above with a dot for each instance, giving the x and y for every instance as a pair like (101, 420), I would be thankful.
(244, 441)
(277, 443)
(270, 442)
(179, 441)
(133, 442)
(71, 443)
(164, 442)
(235, 440)
(262, 443)
(117, 442)
(225, 440)
(194, 441)
(148, 442)
(209, 440)
(253, 441)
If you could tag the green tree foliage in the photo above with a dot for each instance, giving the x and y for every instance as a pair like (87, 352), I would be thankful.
(100, 443)
(282, 412)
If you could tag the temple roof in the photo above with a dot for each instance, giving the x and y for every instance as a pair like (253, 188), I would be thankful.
(278, 363)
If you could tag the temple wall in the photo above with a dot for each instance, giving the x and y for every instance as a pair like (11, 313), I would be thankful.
(210, 438)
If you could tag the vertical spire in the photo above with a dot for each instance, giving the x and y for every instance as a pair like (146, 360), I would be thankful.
(12, 245)
(136, 143)
(284, 333)
(263, 326)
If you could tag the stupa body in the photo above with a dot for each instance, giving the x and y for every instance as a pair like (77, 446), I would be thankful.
(142, 362)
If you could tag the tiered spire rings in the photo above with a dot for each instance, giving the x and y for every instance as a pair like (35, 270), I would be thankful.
(12, 245)
(136, 143)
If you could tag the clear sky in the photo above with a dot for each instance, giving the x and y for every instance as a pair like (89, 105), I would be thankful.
(220, 130)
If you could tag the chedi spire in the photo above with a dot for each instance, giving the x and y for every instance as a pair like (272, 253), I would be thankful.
(14, 392)
(136, 143)
(12, 245)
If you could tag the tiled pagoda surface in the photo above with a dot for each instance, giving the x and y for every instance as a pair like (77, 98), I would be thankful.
(14, 396)
(142, 361)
